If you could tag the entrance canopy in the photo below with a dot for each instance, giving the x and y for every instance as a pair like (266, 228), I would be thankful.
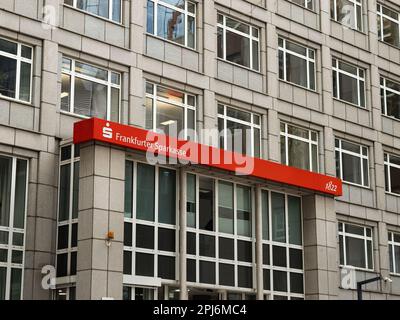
(186, 152)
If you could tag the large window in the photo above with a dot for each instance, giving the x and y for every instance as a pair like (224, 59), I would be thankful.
(296, 64)
(90, 91)
(150, 234)
(67, 223)
(355, 246)
(299, 147)
(352, 162)
(282, 234)
(173, 20)
(348, 13)
(309, 4)
(390, 98)
(240, 131)
(168, 109)
(13, 199)
(238, 42)
(392, 173)
(388, 25)
(15, 70)
(109, 9)
(394, 252)
(220, 242)
(348, 82)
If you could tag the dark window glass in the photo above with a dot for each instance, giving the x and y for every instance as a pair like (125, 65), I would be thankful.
(296, 283)
(226, 274)
(20, 194)
(266, 279)
(265, 253)
(62, 237)
(166, 240)
(244, 251)
(65, 184)
(62, 265)
(16, 282)
(144, 236)
(127, 262)
(144, 264)
(127, 234)
(278, 217)
(145, 192)
(245, 277)
(166, 267)
(226, 248)
(207, 246)
(280, 281)
(279, 256)
(73, 263)
(206, 207)
(127, 293)
(74, 235)
(296, 258)
(191, 243)
(191, 270)
(167, 196)
(128, 188)
(207, 272)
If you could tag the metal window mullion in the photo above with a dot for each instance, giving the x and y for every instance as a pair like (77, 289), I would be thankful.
(335, 10)
(284, 60)
(389, 178)
(134, 220)
(110, 9)
(367, 266)
(362, 166)
(224, 35)
(385, 97)
(252, 150)
(341, 159)
(287, 242)
(155, 88)
(186, 23)
(72, 98)
(226, 130)
(71, 195)
(337, 78)
(18, 73)
(155, 17)
(197, 253)
(394, 257)
(308, 69)
(287, 144)
(156, 204)
(235, 234)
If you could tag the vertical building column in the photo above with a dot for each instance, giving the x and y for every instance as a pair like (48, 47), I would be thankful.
(101, 210)
(259, 252)
(320, 248)
(183, 294)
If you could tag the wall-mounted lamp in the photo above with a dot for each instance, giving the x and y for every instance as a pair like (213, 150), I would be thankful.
(110, 236)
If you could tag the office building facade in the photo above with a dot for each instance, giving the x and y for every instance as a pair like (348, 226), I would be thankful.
(313, 84)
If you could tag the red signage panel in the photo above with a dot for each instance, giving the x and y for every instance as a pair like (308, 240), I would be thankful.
(157, 145)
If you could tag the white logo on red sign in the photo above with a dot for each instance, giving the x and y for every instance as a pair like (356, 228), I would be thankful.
(107, 131)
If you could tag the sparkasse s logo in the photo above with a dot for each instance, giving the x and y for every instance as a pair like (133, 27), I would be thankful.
(107, 131)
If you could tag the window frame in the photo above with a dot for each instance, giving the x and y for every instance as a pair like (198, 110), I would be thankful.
(309, 141)
(364, 237)
(156, 225)
(361, 156)
(74, 5)
(387, 167)
(185, 106)
(216, 234)
(19, 59)
(287, 245)
(249, 36)
(250, 124)
(385, 88)
(11, 230)
(186, 13)
(307, 58)
(382, 16)
(393, 244)
(109, 84)
(355, 4)
(68, 279)
(305, 4)
(338, 71)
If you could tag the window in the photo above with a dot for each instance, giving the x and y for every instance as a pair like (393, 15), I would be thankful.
(282, 245)
(65, 293)
(299, 147)
(150, 234)
(348, 13)
(173, 20)
(238, 42)
(392, 173)
(109, 9)
(90, 91)
(309, 4)
(68, 207)
(138, 293)
(15, 70)
(355, 245)
(352, 163)
(239, 131)
(388, 25)
(394, 252)
(348, 83)
(13, 200)
(390, 98)
(296, 64)
(168, 108)
(221, 253)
